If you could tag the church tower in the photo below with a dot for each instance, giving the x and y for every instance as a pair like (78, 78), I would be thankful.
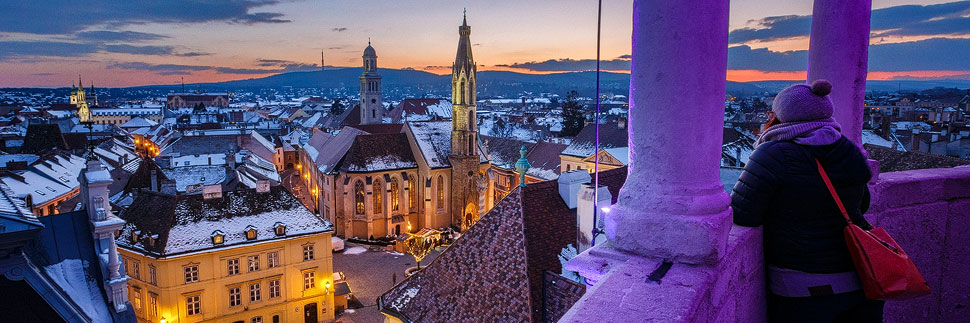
(371, 108)
(78, 99)
(464, 135)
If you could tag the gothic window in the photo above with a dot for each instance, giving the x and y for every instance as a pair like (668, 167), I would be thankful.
(411, 193)
(471, 145)
(461, 92)
(471, 120)
(359, 197)
(395, 196)
(378, 196)
(441, 192)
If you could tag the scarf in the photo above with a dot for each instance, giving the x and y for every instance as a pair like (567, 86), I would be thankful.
(812, 133)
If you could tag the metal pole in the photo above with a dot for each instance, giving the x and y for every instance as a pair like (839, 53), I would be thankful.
(596, 120)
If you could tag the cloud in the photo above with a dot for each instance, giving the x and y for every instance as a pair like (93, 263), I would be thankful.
(938, 19)
(178, 69)
(272, 62)
(139, 50)
(339, 29)
(627, 56)
(567, 64)
(745, 58)
(20, 49)
(44, 74)
(66, 17)
(117, 36)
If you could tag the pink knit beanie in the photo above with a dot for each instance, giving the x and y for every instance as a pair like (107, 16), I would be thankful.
(803, 102)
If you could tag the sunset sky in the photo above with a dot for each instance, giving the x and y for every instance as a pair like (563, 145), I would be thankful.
(139, 42)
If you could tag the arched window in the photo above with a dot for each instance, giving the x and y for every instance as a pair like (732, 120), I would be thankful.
(471, 120)
(412, 193)
(359, 197)
(378, 196)
(461, 92)
(441, 192)
(395, 195)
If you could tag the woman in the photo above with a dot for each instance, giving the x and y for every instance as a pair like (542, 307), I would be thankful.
(811, 276)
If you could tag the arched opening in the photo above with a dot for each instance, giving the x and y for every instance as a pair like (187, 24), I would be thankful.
(441, 192)
(359, 197)
(378, 196)
(395, 196)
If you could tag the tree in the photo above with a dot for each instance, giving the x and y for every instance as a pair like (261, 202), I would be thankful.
(337, 108)
(419, 247)
(573, 118)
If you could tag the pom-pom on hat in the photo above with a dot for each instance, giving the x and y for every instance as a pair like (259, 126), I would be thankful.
(803, 102)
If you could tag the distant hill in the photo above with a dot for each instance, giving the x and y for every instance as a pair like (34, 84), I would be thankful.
(502, 83)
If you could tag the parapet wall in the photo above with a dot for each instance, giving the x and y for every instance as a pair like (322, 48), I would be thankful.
(927, 212)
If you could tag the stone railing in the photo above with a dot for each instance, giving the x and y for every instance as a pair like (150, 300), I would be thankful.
(927, 211)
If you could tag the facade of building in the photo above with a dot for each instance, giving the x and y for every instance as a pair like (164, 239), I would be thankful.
(251, 256)
(188, 100)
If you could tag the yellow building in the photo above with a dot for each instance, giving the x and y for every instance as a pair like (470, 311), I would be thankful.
(240, 256)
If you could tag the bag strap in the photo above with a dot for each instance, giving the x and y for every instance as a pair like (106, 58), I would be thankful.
(828, 184)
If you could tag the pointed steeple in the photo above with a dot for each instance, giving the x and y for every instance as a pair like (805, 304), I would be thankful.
(464, 17)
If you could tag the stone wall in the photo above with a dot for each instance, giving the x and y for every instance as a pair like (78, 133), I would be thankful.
(927, 212)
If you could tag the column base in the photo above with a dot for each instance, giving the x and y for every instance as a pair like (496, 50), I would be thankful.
(692, 239)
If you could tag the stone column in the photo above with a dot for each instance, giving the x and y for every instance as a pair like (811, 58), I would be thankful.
(838, 52)
(673, 205)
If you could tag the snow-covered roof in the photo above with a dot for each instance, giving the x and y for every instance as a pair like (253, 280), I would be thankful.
(434, 142)
(870, 137)
(139, 122)
(184, 224)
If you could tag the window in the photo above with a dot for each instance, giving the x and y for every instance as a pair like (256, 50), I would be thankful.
(258, 319)
(378, 195)
(151, 275)
(569, 167)
(274, 288)
(441, 192)
(279, 228)
(137, 296)
(308, 252)
(233, 265)
(309, 280)
(253, 263)
(395, 196)
(234, 297)
(250, 232)
(359, 197)
(272, 259)
(191, 274)
(276, 319)
(411, 193)
(255, 294)
(193, 305)
(152, 305)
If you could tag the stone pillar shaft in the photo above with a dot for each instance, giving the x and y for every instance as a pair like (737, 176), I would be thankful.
(838, 52)
(673, 205)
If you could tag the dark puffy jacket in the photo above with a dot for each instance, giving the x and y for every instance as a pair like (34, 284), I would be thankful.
(781, 189)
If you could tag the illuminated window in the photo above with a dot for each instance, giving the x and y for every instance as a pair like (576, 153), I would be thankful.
(395, 196)
(308, 252)
(253, 263)
(250, 232)
(191, 274)
(193, 305)
(274, 288)
(411, 193)
(235, 297)
(233, 266)
(137, 297)
(378, 196)
(152, 305)
(272, 259)
(441, 192)
(309, 280)
(255, 294)
(359, 197)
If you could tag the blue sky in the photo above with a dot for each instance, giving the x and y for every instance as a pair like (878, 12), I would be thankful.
(115, 43)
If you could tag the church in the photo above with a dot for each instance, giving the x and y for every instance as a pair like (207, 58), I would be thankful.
(373, 179)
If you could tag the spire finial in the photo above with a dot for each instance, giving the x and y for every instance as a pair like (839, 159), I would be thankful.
(522, 165)
(368, 41)
(464, 16)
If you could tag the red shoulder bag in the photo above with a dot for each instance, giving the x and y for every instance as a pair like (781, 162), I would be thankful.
(885, 270)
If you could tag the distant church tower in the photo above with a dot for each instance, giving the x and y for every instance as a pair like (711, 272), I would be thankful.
(322, 65)
(464, 135)
(78, 99)
(371, 108)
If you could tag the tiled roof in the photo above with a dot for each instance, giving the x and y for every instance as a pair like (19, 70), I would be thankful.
(142, 177)
(494, 272)
(892, 160)
(379, 152)
(584, 145)
(185, 223)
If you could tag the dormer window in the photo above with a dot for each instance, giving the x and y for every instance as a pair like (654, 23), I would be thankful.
(134, 236)
(218, 237)
(250, 233)
(279, 228)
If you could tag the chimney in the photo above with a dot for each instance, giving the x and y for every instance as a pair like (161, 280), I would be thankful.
(154, 181)
(569, 184)
(262, 186)
(168, 187)
(212, 191)
(584, 214)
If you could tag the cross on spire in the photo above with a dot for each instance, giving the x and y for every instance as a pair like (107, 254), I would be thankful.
(464, 16)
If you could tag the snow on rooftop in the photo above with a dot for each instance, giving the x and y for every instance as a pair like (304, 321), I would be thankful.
(870, 137)
(71, 277)
(195, 176)
(434, 141)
